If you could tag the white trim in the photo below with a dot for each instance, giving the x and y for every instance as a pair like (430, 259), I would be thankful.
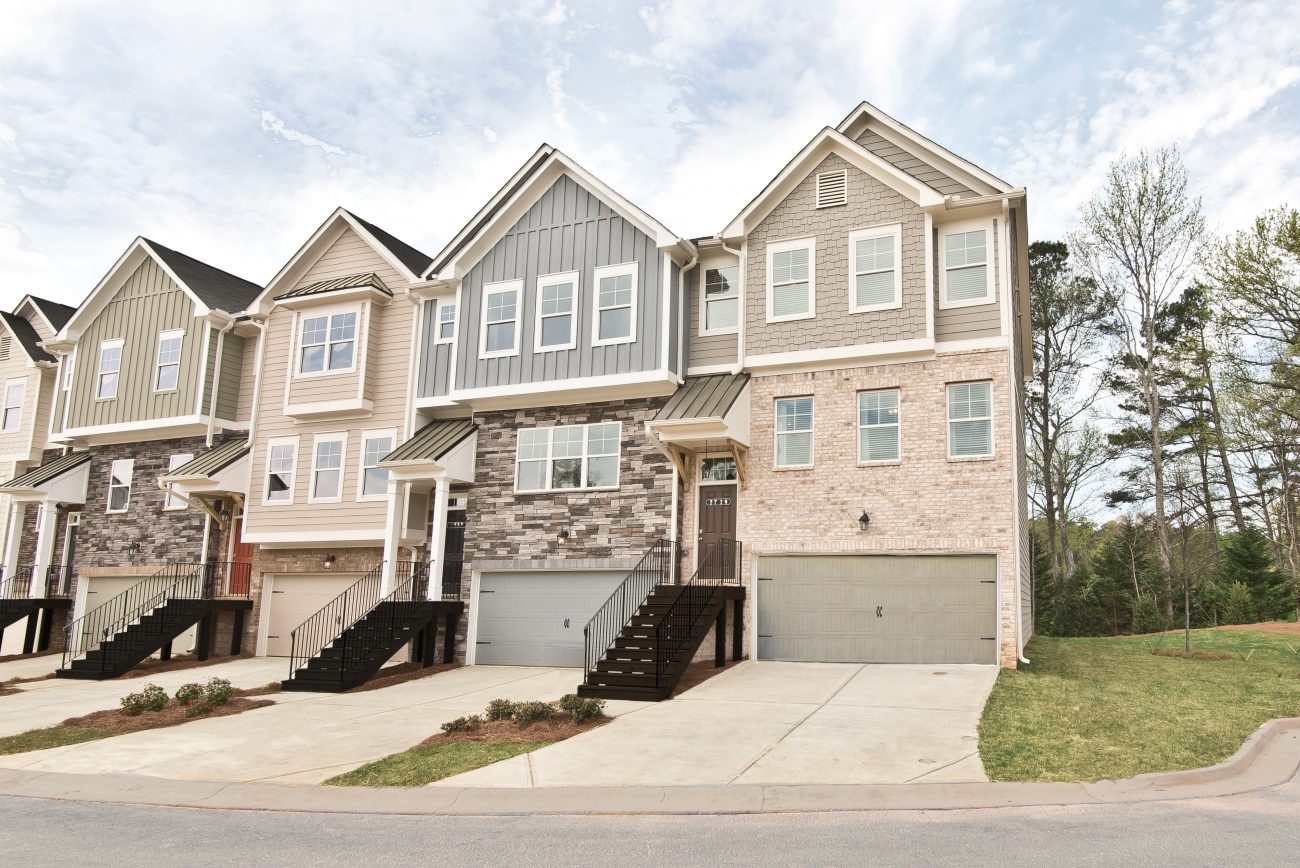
(69, 369)
(858, 352)
(810, 244)
(166, 423)
(948, 420)
(810, 431)
(581, 389)
(341, 407)
(172, 502)
(930, 299)
(704, 370)
(897, 425)
(328, 314)
(988, 225)
(573, 279)
(339, 536)
(704, 330)
(439, 305)
(631, 269)
(130, 482)
(967, 345)
(665, 315)
(583, 458)
(168, 335)
(112, 343)
(341, 438)
(372, 434)
(889, 230)
(488, 289)
(701, 481)
(271, 443)
(21, 382)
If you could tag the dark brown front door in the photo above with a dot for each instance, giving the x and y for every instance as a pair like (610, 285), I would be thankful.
(241, 571)
(717, 518)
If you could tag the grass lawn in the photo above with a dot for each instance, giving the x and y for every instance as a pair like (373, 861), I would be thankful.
(1092, 709)
(432, 762)
(50, 736)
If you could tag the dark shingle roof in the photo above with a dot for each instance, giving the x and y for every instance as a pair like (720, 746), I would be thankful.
(432, 441)
(57, 314)
(48, 471)
(218, 289)
(705, 397)
(216, 459)
(352, 281)
(413, 259)
(26, 336)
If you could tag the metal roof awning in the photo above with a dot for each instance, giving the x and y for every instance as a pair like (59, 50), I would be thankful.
(706, 414)
(444, 448)
(369, 280)
(208, 464)
(63, 479)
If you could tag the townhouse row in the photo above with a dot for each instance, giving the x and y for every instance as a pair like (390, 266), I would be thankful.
(818, 407)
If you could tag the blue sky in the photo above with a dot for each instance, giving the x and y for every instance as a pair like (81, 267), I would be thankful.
(230, 131)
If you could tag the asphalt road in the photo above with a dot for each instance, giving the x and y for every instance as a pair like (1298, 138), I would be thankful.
(1260, 828)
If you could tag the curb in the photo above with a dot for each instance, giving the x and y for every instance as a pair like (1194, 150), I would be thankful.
(1269, 757)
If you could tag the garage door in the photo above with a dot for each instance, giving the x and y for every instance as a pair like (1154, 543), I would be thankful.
(295, 598)
(535, 617)
(878, 609)
(101, 590)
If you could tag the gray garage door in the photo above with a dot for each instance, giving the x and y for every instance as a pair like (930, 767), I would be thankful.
(878, 608)
(535, 617)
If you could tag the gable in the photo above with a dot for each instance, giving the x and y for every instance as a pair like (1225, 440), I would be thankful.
(912, 165)
(347, 255)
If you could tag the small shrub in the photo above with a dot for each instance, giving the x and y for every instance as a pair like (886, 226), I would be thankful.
(218, 691)
(582, 708)
(198, 707)
(151, 698)
(462, 724)
(1146, 615)
(1238, 605)
(187, 693)
(499, 709)
(531, 712)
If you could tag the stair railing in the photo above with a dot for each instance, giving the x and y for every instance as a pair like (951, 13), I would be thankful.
(174, 581)
(384, 618)
(720, 567)
(19, 585)
(312, 636)
(654, 568)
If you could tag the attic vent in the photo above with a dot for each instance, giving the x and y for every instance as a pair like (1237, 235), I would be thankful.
(832, 188)
(4, 348)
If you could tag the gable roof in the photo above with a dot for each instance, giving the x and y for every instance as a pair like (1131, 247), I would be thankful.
(57, 315)
(25, 334)
(414, 260)
(48, 471)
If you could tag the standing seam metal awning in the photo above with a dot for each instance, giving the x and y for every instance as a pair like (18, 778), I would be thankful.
(213, 461)
(706, 397)
(432, 442)
(48, 471)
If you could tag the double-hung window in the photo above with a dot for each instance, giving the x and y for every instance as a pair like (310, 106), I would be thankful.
(500, 335)
(794, 432)
(792, 280)
(446, 322)
(875, 279)
(173, 501)
(970, 420)
(110, 366)
(168, 364)
(557, 300)
(375, 446)
(327, 468)
(614, 317)
(13, 409)
(119, 484)
(568, 457)
(327, 343)
(878, 425)
(966, 273)
(721, 300)
(281, 456)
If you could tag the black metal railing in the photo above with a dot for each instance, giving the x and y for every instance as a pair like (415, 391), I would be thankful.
(18, 586)
(385, 618)
(720, 567)
(176, 581)
(655, 568)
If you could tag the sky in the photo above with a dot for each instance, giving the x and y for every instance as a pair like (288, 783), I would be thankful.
(231, 130)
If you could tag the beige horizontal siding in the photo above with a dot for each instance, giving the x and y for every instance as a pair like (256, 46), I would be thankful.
(18, 443)
(705, 349)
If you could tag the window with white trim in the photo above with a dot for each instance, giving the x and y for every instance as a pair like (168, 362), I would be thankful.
(557, 301)
(614, 317)
(168, 363)
(791, 280)
(970, 420)
(327, 468)
(446, 322)
(110, 366)
(878, 425)
(718, 469)
(281, 458)
(568, 457)
(966, 275)
(13, 409)
(875, 278)
(794, 432)
(375, 446)
(327, 342)
(119, 484)
(174, 461)
(69, 362)
(500, 335)
(721, 300)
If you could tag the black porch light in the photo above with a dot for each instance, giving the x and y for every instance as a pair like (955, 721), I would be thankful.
(864, 520)
(563, 534)
(329, 562)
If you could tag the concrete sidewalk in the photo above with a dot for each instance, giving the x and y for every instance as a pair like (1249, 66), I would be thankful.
(30, 667)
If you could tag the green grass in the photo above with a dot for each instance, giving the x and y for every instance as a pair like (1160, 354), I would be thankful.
(50, 736)
(1092, 709)
(424, 765)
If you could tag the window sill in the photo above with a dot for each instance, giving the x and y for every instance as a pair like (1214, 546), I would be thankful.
(716, 332)
(566, 490)
(876, 308)
(780, 469)
(944, 304)
(613, 342)
(795, 318)
(892, 462)
(316, 375)
(276, 503)
(962, 459)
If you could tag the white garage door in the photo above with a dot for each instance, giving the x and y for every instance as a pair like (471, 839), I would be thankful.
(878, 608)
(295, 598)
(104, 589)
(535, 617)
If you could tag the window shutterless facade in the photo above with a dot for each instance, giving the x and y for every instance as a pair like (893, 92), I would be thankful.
(327, 468)
(568, 457)
(875, 277)
(13, 409)
(168, 363)
(327, 343)
(721, 301)
(119, 484)
(794, 432)
(500, 318)
(557, 303)
(446, 322)
(110, 367)
(375, 446)
(970, 420)
(966, 264)
(878, 425)
(281, 458)
(614, 305)
(173, 501)
(792, 280)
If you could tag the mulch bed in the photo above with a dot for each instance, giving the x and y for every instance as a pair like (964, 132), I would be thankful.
(1291, 628)
(118, 722)
(1195, 654)
(557, 728)
(402, 673)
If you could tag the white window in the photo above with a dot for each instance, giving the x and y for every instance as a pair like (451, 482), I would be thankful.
(68, 362)
(13, 409)
(970, 420)
(791, 280)
(721, 301)
(375, 446)
(720, 469)
(500, 330)
(327, 468)
(119, 484)
(569, 456)
(614, 318)
(557, 301)
(794, 432)
(966, 271)
(832, 188)
(110, 365)
(169, 361)
(446, 322)
(281, 458)
(878, 425)
(327, 342)
(875, 278)
(174, 502)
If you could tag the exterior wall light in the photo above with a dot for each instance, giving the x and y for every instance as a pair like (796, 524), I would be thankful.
(563, 534)
(329, 562)
(864, 520)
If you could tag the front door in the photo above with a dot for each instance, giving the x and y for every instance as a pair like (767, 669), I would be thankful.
(241, 568)
(717, 521)
(453, 554)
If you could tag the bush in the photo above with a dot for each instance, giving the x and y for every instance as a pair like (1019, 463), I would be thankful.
(198, 707)
(531, 712)
(151, 698)
(1238, 605)
(462, 724)
(499, 709)
(1146, 615)
(582, 708)
(218, 691)
(187, 693)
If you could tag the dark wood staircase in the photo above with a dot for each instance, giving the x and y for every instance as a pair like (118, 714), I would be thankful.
(17, 603)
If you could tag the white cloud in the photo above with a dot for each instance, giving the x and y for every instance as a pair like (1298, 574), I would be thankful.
(272, 124)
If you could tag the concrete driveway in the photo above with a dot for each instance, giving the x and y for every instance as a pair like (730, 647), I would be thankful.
(777, 723)
(30, 667)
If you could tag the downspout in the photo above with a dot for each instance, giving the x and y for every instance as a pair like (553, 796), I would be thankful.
(1014, 386)
(683, 316)
(740, 317)
(260, 325)
(216, 384)
(672, 529)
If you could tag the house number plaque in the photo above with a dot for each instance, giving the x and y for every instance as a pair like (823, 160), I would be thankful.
(717, 501)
